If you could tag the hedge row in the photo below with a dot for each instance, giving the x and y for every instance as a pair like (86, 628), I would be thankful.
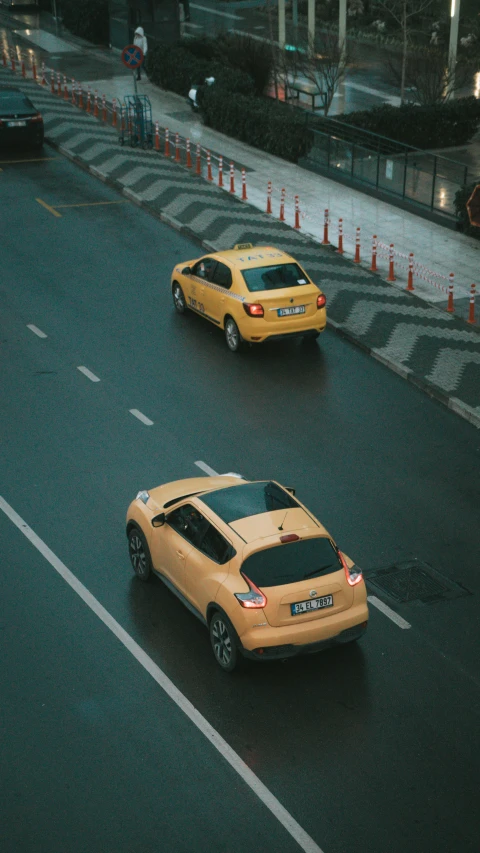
(436, 126)
(272, 126)
(176, 68)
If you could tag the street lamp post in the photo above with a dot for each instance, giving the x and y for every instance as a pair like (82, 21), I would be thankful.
(281, 23)
(452, 48)
(342, 29)
(311, 21)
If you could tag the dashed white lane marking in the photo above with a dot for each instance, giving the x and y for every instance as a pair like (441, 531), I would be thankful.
(402, 623)
(36, 331)
(304, 841)
(88, 373)
(142, 418)
(210, 471)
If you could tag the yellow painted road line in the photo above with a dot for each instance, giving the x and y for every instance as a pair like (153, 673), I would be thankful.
(33, 160)
(92, 203)
(47, 207)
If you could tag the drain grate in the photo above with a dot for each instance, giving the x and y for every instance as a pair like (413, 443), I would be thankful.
(414, 581)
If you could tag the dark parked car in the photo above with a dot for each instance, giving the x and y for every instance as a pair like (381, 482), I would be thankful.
(20, 121)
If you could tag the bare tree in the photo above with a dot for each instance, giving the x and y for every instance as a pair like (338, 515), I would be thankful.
(321, 62)
(429, 76)
(402, 11)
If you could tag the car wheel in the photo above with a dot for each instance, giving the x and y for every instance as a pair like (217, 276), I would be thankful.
(139, 554)
(310, 337)
(179, 298)
(232, 335)
(224, 642)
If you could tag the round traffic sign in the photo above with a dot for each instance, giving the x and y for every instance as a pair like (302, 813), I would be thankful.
(132, 56)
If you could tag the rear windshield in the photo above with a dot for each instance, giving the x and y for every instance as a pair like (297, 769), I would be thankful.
(292, 562)
(274, 277)
(14, 102)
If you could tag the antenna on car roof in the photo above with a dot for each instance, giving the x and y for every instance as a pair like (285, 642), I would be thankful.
(283, 522)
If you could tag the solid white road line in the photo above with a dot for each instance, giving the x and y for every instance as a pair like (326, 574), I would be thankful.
(207, 469)
(302, 838)
(402, 623)
(142, 418)
(88, 373)
(214, 12)
(36, 330)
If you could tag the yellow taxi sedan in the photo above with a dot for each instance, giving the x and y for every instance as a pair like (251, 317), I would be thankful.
(251, 562)
(253, 294)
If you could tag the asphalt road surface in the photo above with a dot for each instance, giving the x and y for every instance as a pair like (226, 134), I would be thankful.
(371, 748)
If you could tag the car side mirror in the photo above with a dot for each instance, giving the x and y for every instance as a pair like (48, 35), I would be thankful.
(158, 520)
(186, 271)
(290, 489)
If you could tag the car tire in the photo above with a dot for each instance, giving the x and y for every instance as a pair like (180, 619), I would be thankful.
(224, 642)
(179, 300)
(139, 554)
(310, 337)
(232, 335)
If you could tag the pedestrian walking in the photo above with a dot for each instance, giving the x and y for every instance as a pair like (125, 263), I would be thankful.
(140, 40)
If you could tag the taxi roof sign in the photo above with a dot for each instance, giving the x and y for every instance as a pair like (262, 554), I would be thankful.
(243, 246)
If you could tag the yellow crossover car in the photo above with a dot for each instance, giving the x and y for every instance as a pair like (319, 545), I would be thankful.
(255, 566)
(254, 294)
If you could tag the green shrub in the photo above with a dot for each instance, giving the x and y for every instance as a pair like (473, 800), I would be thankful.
(248, 55)
(272, 126)
(235, 50)
(461, 198)
(87, 19)
(435, 126)
(176, 68)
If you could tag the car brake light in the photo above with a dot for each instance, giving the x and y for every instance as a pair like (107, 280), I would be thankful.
(353, 574)
(254, 598)
(38, 117)
(321, 300)
(253, 309)
(289, 537)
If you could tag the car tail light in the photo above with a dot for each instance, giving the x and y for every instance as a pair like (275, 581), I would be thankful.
(321, 300)
(254, 598)
(253, 309)
(289, 537)
(354, 574)
(38, 117)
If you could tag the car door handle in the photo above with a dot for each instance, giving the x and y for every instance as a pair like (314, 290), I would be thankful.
(179, 553)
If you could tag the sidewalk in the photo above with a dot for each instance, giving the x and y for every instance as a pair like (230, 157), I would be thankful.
(437, 351)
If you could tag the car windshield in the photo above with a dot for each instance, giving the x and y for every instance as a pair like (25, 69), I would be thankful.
(292, 562)
(14, 102)
(274, 277)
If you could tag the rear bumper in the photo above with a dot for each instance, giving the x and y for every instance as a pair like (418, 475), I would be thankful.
(258, 330)
(290, 651)
(22, 136)
(281, 337)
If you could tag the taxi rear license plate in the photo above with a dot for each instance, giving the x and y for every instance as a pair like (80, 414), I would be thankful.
(16, 123)
(286, 312)
(313, 604)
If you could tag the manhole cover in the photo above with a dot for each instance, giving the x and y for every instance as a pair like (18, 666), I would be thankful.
(414, 581)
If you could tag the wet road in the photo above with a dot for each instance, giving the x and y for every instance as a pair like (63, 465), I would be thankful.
(371, 748)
